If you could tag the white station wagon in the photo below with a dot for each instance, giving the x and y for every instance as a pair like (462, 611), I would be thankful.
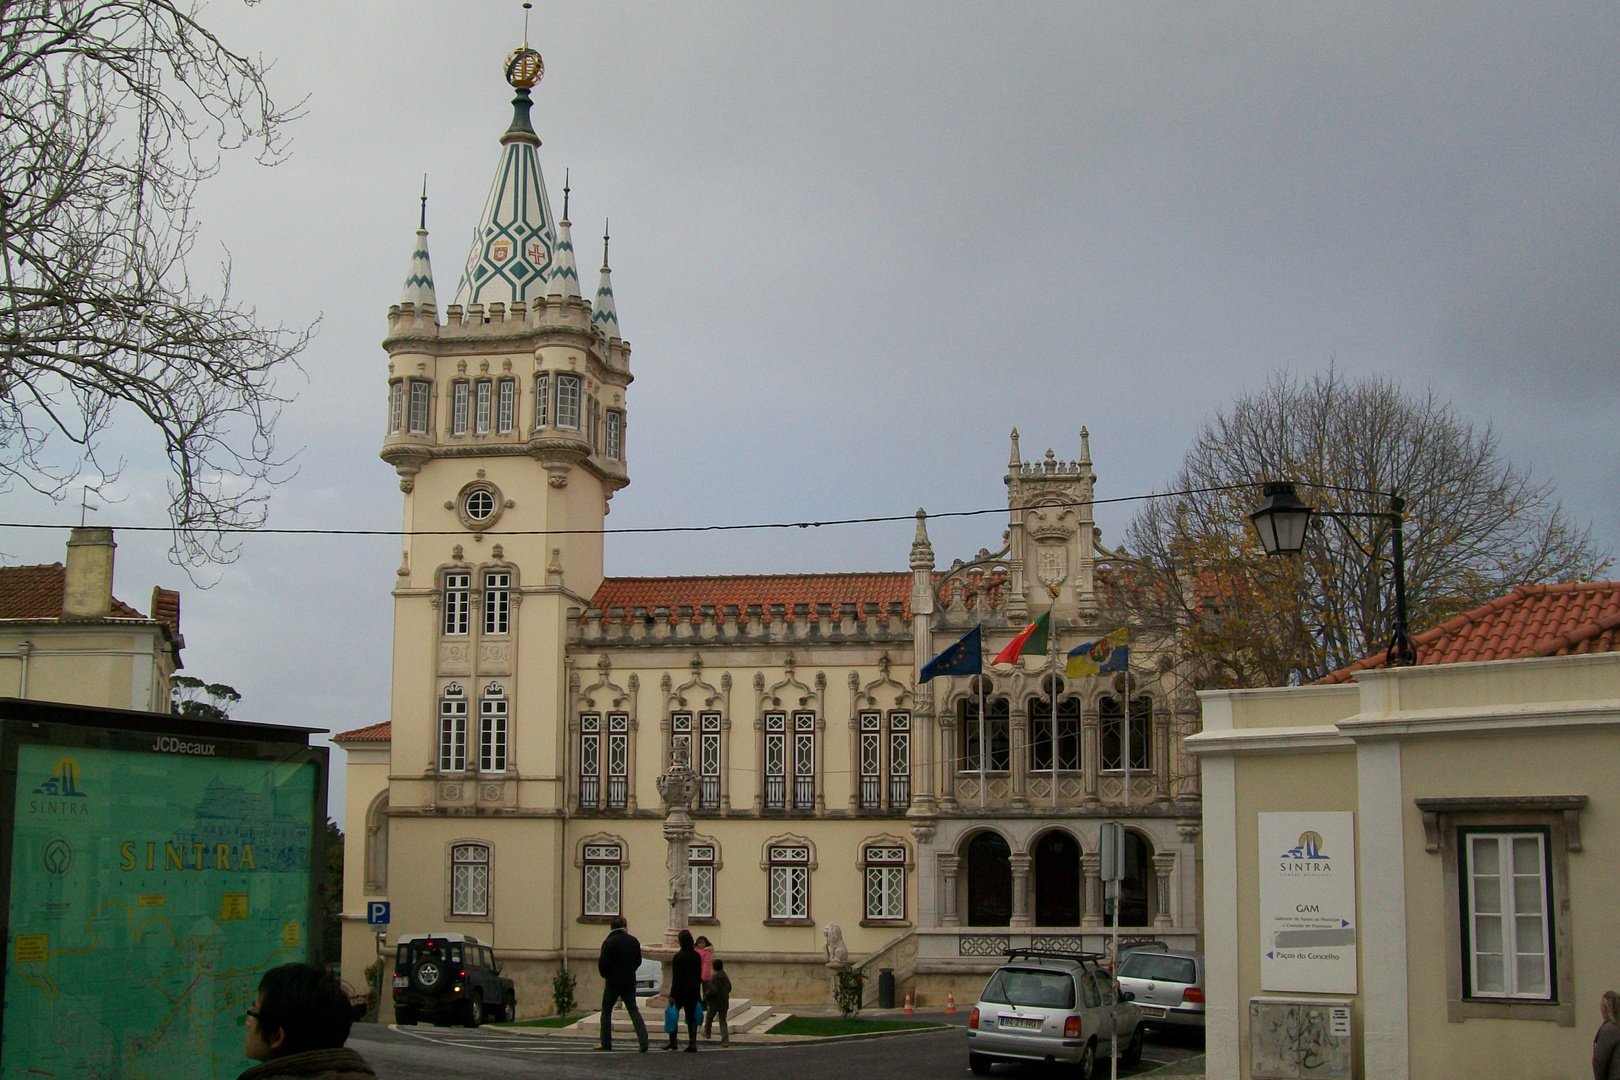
(1052, 1007)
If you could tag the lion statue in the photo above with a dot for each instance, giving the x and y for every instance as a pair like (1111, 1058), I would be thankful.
(837, 953)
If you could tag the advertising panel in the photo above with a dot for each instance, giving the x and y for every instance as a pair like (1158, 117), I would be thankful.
(1308, 902)
(153, 880)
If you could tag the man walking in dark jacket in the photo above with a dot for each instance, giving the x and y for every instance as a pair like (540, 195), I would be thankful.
(621, 956)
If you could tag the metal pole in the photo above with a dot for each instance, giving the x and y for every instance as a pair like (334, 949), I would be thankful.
(984, 748)
(1051, 649)
(1127, 721)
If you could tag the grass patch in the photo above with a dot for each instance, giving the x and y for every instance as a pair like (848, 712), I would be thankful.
(825, 1026)
(545, 1021)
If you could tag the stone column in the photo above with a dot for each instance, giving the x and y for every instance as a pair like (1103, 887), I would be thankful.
(924, 758)
(725, 759)
(632, 736)
(1090, 753)
(947, 761)
(949, 865)
(677, 787)
(1162, 865)
(1163, 717)
(1018, 747)
(1091, 867)
(1020, 897)
(821, 765)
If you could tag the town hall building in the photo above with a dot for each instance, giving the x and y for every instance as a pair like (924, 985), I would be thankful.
(513, 793)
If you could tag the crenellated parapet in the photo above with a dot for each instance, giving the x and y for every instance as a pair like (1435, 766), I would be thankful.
(740, 624)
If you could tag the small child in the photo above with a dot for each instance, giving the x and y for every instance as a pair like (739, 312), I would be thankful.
(717, 1002)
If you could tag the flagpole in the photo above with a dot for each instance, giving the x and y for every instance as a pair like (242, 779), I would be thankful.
(984, 748)
(1128, 719)
(1051, 649)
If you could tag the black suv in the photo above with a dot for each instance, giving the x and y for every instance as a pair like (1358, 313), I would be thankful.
(450, 979)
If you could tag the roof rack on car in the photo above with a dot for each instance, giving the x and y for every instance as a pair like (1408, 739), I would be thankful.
(1052, 954)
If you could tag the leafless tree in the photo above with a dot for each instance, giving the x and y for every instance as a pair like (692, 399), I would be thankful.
(1475, 527)
(111, 113)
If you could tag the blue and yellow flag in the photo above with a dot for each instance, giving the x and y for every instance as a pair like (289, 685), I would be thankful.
(966, 657)
(1111, 653)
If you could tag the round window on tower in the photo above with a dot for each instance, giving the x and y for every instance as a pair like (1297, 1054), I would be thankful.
(479, 505)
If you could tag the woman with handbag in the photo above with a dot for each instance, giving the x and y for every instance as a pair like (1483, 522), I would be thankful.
(685, 992)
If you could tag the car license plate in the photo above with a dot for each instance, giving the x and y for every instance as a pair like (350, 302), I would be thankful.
(400, 981)
(1149, 1010)
(1027, 1023)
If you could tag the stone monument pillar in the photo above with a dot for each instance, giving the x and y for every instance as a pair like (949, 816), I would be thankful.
(677, 787)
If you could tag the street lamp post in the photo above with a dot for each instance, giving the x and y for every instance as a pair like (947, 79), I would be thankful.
(1282, 521)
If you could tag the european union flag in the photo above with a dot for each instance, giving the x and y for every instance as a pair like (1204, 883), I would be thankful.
(966, 657)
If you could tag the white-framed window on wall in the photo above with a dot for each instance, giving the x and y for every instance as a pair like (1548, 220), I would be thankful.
(453, 730)
(421, 401)
(506, 406)
(497, 602)
(700, 859)
(885, 883)
(457, 601)
(1111, 737)
(1509, 932)
(542, 399)
(396, 407)
(603, 879)
(804, 761)
(618, 760)
(590, 760)
(492, 714)
(789, 881)
(568, 395)
(460, 400)
(899, 760)
(775, 760)
(680, 738)
(615, 434)
(469, 879)
(871, 758)
(484, 404)
(708, 761)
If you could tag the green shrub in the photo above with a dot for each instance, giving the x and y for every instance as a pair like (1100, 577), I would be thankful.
(848, 990)
(562, 992)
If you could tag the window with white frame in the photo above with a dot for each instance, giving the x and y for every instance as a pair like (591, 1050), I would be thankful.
(615, 434)
(396, 407)
(1509, 932)
(1111, 734)
(899, 760)
(590, 760)
(604, 878)
(871, 758)
(457, 602)
(680, 737)
(483, 406)
(804, 761)
(542, 399)
(459, 403)
(497, 602)
(700, 860)
(506, 406)
(618, 760)
(708, 761)
(885, 882)
(568, 401)
(453, 730)
(469, 879)
(421, 400)
(775, 760)
(592, 427)
(492, 712)
(790, 881)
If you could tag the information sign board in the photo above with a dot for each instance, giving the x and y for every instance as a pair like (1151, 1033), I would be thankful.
(1308, 902)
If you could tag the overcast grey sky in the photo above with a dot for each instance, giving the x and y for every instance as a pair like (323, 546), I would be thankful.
(854, 244)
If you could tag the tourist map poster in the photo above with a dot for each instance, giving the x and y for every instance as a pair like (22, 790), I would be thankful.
(150, 891)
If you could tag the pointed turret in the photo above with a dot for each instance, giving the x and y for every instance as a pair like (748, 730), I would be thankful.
(564, 274)
(606, 316)
(514, 245)
(922, 552)
(1015, 460)
(419, 278)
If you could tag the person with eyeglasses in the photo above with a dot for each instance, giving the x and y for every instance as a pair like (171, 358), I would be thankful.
(297, 1026)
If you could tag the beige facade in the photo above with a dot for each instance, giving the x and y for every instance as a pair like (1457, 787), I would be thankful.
(63, 637)
(1451, 771)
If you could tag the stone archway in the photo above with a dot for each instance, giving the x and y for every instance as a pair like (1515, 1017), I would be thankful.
(1138, 892)
(1057, 880)
(989, 883)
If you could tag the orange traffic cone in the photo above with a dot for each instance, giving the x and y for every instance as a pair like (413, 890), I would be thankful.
(950, 1003)
(908, 1011)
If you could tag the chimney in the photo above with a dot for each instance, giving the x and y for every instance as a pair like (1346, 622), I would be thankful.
(87, 591)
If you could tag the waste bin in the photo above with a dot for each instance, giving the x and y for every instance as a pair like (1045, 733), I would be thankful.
(885, 988)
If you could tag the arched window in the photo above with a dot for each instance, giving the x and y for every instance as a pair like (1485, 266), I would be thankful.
(506, 406)
(790, 866)
(700, 859)
(457, 602)
(1137, 891)
(590, 759)
(469, 879)
(568, 395)
(1040, 728)
(603, 878)
(484, 407)
(396, 407)
(1113, 734)
(997, 714)
(989, 884)
(421, 400)
(542, 399)
(885, 872)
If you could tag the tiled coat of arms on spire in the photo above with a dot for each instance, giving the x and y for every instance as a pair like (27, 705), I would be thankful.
(515, 242)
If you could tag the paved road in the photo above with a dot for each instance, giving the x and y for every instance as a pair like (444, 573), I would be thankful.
(452, 1053)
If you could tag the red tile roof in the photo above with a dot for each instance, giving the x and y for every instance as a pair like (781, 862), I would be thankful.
(166, 607)
(1532, 620)
(374, 733)
(35, 592)
(622, 596)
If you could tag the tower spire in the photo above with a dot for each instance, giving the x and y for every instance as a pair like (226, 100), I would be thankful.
(606, 316)
(419, 278)
(564, 274)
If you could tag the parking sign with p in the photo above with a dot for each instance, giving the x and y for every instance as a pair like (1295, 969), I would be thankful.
(377, 913)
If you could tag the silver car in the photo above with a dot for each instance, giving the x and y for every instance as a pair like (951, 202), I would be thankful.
(1052, 1007)
(1168, 986)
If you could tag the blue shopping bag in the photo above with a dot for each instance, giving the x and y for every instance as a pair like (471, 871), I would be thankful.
(672, 1019)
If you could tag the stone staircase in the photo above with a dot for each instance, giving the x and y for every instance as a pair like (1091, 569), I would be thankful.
(743, 1016)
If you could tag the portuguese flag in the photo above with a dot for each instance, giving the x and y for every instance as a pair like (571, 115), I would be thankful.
(1032, 639)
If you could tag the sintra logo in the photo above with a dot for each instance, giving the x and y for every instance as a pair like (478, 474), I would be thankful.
(64, 783)
(1307, 856)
